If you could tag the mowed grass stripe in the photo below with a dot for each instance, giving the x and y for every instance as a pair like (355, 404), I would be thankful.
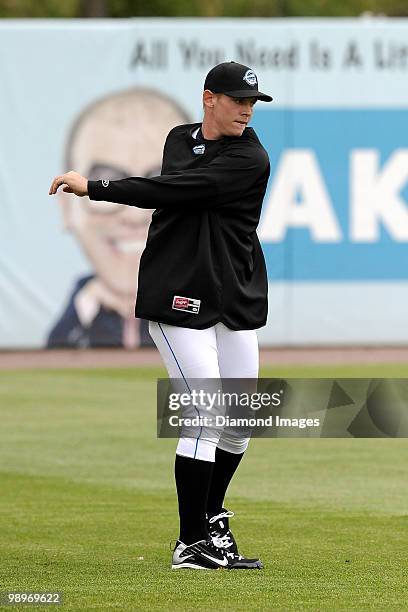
(88, 541)
(87, 489)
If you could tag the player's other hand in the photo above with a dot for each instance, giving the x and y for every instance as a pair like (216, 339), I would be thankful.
(73, 183)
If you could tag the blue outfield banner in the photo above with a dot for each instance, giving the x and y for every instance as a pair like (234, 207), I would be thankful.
(336, 207)
(334, 226)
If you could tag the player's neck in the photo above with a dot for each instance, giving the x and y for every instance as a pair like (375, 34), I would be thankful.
(209, 130)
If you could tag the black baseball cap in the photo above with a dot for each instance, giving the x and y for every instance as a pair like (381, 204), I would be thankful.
(234, 80)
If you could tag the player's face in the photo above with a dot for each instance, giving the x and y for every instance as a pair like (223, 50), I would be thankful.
(232, 115)
(121, 138)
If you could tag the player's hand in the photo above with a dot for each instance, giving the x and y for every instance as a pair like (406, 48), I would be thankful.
(73, 183)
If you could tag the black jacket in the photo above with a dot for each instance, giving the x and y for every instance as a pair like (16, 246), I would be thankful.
(203, 262)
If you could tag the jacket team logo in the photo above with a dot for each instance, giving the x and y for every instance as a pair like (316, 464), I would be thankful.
(250, 78)
(105, 182)
(186, 304)
(199, 149)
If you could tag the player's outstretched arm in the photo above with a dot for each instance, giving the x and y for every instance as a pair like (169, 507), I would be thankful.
(223, 179)
(73, 183)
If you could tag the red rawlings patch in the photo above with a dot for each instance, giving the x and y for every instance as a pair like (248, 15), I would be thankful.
(189, 304)
(180, 302)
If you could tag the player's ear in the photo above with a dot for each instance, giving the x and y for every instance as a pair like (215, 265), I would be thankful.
(208, 99)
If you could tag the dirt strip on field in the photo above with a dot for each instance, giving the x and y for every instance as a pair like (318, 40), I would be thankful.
(118, 358)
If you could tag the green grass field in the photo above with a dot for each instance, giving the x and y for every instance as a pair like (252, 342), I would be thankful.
(88, 504)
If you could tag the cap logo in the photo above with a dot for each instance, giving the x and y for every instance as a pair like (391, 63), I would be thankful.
(250, 78)
(105, 183)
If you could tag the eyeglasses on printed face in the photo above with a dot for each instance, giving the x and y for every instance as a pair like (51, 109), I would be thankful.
(112, 173)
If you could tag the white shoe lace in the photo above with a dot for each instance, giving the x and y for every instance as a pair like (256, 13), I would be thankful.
(234, 556)
(225, 540)
(225, 514)
(222, 541)
(219, 544)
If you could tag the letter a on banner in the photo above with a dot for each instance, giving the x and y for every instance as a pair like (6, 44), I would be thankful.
(298, 174)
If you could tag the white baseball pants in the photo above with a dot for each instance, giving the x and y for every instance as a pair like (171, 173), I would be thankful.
(213, 353)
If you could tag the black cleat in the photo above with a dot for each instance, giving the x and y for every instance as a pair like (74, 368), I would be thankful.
(222, 538)
(240, 562)
(200, 555)
(204, 554)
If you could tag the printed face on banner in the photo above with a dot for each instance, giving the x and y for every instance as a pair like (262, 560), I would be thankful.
(120, 136)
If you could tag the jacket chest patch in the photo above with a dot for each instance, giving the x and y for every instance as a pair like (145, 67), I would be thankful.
(199, 149)
(186, 304)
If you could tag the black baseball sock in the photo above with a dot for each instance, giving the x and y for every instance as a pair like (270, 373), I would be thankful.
(193, 478)
(224, 469)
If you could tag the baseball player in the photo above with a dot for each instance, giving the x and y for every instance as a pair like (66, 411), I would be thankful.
(203, 286)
